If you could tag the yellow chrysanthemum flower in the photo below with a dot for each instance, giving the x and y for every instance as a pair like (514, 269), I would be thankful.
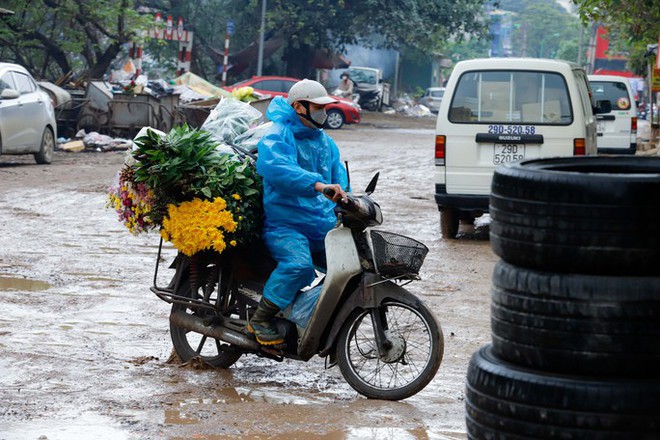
(198, 225)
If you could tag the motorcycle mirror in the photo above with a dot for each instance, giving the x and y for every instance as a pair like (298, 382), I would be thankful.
(372, 185)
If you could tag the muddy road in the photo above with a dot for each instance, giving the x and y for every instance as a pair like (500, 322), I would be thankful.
(84, 344)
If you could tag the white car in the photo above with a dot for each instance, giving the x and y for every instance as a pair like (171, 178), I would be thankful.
(617, 130)
(27, 116)
(432, 98)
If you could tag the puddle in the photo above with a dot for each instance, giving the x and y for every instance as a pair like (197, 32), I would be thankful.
(9, 283)
(420, 131)
(351, 434)
(86, 426)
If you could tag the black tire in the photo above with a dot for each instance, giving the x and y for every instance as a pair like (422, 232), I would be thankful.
(576, 324)
(592, 215)
(356, 346)
(335, 119)
(47, 149)
(504, 401)
(449, 221)
(188, 344)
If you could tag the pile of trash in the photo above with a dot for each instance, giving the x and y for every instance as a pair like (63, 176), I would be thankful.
(93, 142)
(407, 106)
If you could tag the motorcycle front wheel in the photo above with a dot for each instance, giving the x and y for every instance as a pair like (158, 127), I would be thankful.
(189, 344)
(412, 357)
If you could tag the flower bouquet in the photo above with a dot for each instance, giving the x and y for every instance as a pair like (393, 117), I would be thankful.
(201, 197)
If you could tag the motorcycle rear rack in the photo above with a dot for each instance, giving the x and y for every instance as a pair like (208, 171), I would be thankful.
(172, 298)
(167, 293)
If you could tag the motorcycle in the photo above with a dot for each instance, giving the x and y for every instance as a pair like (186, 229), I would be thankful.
(370, 98)
(387, 343)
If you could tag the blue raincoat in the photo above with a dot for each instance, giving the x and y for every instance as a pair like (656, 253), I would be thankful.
(292, 158)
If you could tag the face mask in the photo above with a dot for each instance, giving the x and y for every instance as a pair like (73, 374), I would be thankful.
(317, 117)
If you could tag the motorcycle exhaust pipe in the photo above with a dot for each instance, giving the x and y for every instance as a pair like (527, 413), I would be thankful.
(196, 324)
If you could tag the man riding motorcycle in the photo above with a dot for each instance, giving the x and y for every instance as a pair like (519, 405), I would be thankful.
(297, 161)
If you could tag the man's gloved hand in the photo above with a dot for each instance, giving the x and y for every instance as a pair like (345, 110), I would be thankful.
(333, 191)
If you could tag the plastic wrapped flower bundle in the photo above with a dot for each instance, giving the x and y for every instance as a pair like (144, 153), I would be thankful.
(201, 197)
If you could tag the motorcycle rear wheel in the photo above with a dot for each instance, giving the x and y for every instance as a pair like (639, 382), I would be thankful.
(407, 367)
(189, 344)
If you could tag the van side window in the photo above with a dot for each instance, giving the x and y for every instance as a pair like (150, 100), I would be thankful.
(506, 97)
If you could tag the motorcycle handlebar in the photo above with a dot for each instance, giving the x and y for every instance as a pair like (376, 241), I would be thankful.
(331, 193)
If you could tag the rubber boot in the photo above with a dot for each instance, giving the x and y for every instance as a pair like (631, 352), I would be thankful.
(261, 324)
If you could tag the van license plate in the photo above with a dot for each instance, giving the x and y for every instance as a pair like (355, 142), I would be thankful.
(505, 153)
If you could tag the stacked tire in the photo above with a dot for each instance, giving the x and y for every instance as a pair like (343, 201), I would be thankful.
(575, 304)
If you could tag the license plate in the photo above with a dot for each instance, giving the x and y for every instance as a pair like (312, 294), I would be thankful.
(601, 127)
(505, 153)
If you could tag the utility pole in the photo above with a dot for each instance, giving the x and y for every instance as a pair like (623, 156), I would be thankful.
(580, 46)
(230, 31)
(260, 58)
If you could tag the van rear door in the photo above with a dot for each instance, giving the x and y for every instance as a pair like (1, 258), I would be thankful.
(498, 116)
(617, 130)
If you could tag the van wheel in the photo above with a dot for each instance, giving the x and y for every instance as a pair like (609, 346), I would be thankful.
(589, 215)
(45, 154)
(449, 222)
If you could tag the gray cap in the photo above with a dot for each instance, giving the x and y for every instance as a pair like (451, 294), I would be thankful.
(309, 90)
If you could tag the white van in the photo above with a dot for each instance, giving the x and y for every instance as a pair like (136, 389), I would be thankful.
(617, 130)
(499, 110)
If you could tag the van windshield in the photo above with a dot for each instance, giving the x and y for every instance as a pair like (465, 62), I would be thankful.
(615, 92)
(505, 97)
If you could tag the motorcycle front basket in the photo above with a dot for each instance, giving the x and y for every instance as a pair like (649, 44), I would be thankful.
(396, 255)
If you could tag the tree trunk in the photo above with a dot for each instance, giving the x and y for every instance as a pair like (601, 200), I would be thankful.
(102, 65)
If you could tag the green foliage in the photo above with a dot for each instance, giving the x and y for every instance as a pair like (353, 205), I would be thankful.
(637, 23)
(540, 28)
(418, 92)
(467, 49)
(173, 162)
(425, 25)
(54, 38)
(568, 51)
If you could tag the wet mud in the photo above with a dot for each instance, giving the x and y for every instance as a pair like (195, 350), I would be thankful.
(85, 344)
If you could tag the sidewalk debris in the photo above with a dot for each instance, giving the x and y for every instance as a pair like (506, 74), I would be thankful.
(100, 142)
(73, 146)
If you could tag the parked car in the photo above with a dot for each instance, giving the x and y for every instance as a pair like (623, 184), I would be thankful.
(27, 115)
(617, 130)
(432, 98)
(501, 110)
(342, 112)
